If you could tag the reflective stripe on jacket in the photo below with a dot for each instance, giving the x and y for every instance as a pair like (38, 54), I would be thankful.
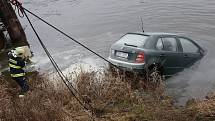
(18, 75)
(12, 61)
(16, 67)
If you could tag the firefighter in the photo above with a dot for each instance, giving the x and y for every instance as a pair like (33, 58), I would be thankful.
(17, 63)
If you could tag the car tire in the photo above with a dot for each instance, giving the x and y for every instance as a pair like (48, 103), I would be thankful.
(155, 76)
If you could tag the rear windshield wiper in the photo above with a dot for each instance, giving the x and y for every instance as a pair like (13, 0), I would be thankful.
(129, 45)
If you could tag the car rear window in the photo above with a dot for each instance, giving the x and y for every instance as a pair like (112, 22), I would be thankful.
(133, 40)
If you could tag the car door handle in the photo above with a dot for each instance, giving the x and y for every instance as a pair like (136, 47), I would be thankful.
(162, 55)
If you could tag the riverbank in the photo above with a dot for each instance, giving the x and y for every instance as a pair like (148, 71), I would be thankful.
(113, 99)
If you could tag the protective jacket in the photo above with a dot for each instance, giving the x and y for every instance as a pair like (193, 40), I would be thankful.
(16, 65)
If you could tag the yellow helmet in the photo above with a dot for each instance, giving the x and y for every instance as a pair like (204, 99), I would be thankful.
(19, 51)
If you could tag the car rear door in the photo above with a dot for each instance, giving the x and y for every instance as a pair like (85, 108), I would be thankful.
(191, 52)
(168, 52)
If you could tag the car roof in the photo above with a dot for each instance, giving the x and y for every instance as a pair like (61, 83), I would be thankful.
(155, 33)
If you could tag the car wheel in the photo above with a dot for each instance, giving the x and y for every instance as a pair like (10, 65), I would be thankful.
(154, 76)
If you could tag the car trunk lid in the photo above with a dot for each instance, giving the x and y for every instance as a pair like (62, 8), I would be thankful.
(129, 47)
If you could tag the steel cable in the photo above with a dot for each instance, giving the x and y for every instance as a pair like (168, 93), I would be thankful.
(60, 73)
(65, 80)
(62, 76)
(89, 107)
(54, 27)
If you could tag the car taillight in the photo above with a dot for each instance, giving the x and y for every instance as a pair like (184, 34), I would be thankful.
(140, 57)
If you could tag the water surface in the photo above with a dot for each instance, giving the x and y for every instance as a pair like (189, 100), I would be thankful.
(99, 23)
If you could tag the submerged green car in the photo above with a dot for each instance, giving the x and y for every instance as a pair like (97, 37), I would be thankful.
(169, 53)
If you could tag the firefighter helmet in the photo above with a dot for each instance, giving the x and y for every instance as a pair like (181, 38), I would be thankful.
(19, 52)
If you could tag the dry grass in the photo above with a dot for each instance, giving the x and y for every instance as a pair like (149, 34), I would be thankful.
(44, 102)
(113, 97)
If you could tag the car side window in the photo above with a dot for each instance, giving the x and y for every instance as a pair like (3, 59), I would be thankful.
(167, 44)
(188, 46)
(159, 45)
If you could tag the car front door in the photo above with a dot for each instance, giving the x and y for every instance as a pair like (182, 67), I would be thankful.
(191, 52)
(169, 54)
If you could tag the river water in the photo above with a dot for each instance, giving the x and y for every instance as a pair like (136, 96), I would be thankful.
(99, 23)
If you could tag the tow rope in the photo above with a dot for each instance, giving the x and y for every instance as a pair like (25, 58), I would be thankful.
(65, 80)
(22, 9)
